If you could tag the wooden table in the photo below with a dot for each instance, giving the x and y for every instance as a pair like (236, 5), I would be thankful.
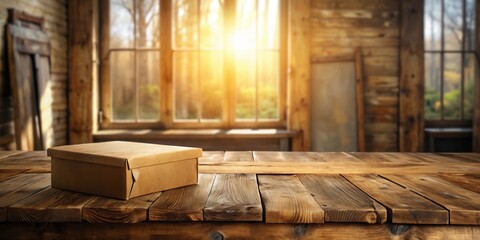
(258, 195)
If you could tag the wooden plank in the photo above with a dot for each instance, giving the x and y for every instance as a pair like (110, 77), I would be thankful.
(373, 157)
(182, 204)
(49, 205)
(211, 156)
(463, 156)
(80, 27)
(403, 205)
(237, 156)
(234, 197)
(20, 187)
(109, 210)
(9, 173)
(411, 76)
(298, 82)
(359, 90)
(4, 154)
(467, 181)
(342, 201)
(285, 156)
(210, 230)
(463, 205)
(287, 201)
(26, 161)
(335, 167)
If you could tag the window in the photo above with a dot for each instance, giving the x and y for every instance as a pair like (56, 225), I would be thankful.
(193, 63)
(450, 61)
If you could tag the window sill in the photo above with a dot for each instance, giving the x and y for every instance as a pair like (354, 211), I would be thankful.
(208, 139)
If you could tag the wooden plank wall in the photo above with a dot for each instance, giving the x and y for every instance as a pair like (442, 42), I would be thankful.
(55, 14)
(336, 28)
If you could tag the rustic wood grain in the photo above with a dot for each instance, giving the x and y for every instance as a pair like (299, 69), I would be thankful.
(20, 187)
(403, 205)
(9, 173)
(359, 90)
(26, 160)
(298, 82)
(463, 205)
(467, 181)
(266, 156)
(463, 156)
(109, 210)
(80, 100)
(342, 201)
(49, 205)
(335, 167)
(287, 201)
(238, 156)
(234, 197)
(335, 157)
(209, 230)
(4, 154)
(211, 156)
(411, 76)
(182, 204)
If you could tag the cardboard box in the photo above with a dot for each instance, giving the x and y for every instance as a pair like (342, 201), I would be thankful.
(123, 169)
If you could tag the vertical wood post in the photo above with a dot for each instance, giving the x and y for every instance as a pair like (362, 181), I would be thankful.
(476, 94)
(411, 76)
(298, 95)
(80, 91)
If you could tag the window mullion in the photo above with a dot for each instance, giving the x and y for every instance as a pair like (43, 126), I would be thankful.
(166, 59)
(229, 103)
(462, 87)
(442, 59)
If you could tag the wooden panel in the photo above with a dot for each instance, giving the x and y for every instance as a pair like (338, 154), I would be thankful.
(463, 205)
(342, 201)
(108, 210)
(360, 104)
(80, 71)
(20, 187)
(182, 204)
(299, 74)
(411, 76)
(334, 167)
(168, 230)
(287, 201)
(333, 107)
(234, 197)
(335, 157)
(404, 206)
(49, 205)
(285, 157)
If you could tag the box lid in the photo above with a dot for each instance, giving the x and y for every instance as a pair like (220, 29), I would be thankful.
(117, 153)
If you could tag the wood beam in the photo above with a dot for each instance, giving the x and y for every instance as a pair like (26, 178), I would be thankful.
(80, 91)
(411, 76)
(298, 82)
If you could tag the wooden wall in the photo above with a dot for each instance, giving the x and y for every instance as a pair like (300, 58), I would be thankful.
(55, 14)
(336, 28)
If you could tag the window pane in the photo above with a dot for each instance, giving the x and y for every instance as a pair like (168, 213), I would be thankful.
(451, 89)
(185, 81)
(148, 75)
(211, 85)
(185, 24)
(432, 86)
(246, 28)
(121, 23)
(432, 19)
(469, 71)
(268, 85)
(245, 84)
(148, 23)
(211, 24)
(123, 85)
(268, 23)
(453, 19)
(470, 25)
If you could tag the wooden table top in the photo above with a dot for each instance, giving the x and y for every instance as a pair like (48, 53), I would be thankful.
(268, 187)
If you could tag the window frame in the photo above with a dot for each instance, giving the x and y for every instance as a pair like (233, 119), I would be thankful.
(166, 103)
(442, 122)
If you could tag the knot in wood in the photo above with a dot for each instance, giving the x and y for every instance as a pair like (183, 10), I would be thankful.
(300, 230)
(216, 236)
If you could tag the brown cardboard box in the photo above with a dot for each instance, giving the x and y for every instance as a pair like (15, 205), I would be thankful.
(123, 169)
